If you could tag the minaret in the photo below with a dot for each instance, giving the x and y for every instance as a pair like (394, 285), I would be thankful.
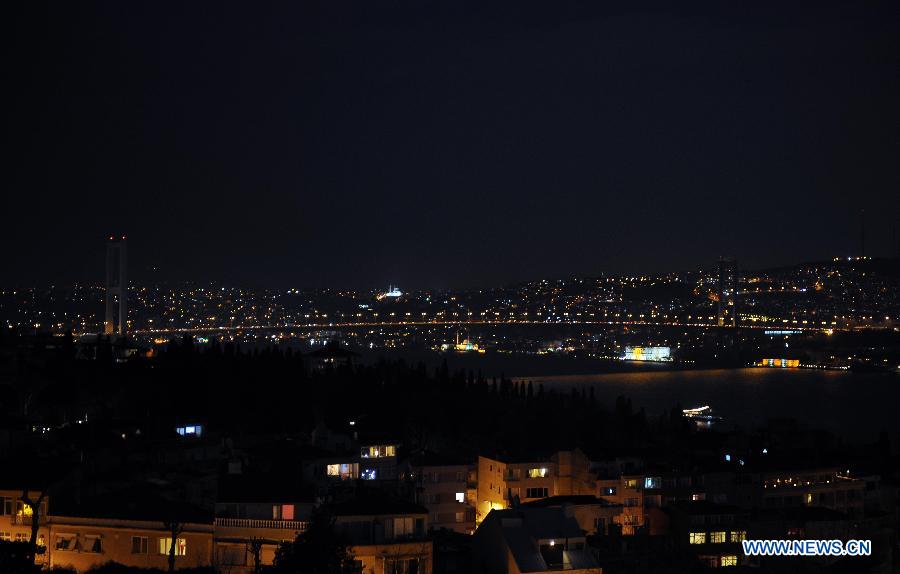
(116, 287)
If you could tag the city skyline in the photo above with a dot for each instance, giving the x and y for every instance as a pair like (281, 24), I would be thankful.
(450, 287)
(147, 276)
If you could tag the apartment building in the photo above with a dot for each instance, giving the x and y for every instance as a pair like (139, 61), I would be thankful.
(16, 519)
(490, 491)
(628, 492)
(507, 483)
(135, 528)
(82, 542)
(386, 536)
(253, 516)
(447, 488)
(710, 531)
(830, 488)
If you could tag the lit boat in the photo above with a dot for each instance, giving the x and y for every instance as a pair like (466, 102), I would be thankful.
(702, 415)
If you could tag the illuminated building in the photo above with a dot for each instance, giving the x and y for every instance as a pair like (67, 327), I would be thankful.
(783, 363)
(378, 462)
(391, 293)
(727, 293)
(129, 528)
(504, 484)
(647, 354)
(16, 520)
(443, 487)
(626, 490)
(532, 540)
(712, 532)
(116, 288)
(490, 492)
(825, 487)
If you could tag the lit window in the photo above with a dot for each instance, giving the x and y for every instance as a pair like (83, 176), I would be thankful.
(460, 516)
(460, 497)
(730, 560)
(378, 451)
(631, 483)
(739, 536)
(23, 509)
(652, 482)
(334, 470)
(537, 472)
(368, 474)
(5, 536)
(698, 538)
(609, 491)
(717, 537)
(165, 545)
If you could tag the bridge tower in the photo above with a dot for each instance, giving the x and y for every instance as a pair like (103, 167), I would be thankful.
(728, 286)
(116, 287)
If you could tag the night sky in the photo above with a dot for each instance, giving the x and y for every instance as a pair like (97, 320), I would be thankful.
(439, 144)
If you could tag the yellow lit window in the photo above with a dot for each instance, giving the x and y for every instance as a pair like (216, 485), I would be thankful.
(165, 545)
(537, 472)
(730, 560)
(717, 537)
(698, 538)
(739, 535)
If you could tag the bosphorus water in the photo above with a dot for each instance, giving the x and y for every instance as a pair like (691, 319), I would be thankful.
(855, 407)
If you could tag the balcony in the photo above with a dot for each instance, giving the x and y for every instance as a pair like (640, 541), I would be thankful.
(297, 525)
(19, 519)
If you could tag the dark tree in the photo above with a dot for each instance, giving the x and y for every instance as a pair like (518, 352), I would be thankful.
(17, 558)
(174, 528)
(318, 550)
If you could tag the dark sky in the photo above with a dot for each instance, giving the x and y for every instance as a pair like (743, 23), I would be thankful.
(445, 143)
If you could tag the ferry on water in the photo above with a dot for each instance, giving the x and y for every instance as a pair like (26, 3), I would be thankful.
(702, 415)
